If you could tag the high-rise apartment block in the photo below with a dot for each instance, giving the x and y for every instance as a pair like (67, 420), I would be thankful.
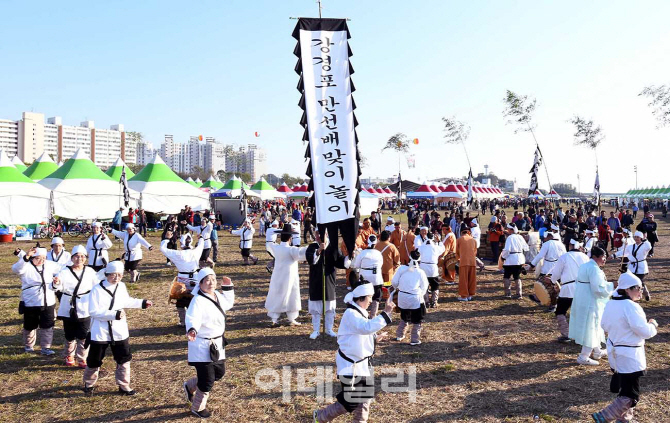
(31, 136)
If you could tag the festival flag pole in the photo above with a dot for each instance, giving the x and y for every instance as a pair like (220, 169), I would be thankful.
(329, 124)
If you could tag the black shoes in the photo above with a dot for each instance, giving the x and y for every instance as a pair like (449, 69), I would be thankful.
(88, 391)
(127, 393)
(203, 414)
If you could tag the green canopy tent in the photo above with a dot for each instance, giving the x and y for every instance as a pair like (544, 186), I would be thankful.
(163, 191)
(19, 164)
(266, 191)
(41, 168)
(115, 170)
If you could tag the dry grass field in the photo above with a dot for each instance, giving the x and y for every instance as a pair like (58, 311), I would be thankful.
(489, 360)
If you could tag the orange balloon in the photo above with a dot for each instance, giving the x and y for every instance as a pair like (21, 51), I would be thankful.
(416, 141)
(200, 137)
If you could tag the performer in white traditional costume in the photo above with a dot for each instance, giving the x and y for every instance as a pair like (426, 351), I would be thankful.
(75, 283)
(186, 261)
(513, 255)
(246, 234)
(390, 224)
(590, 241)
(552, 249)
(369, 263)
(430, 253)
(97, 246)
(565, 271)
(637, 254)
(284, 292)
(356, 338)
(412, 284)
(295, 227)
(421, 238)
(270, 241)
(627, 328)
(206, 322)
(591, 294)
(109, 327)
(37, 297)
(58, 253)
(205, 232)
(132, 246)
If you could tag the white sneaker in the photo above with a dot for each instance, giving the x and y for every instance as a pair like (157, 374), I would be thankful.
(294, 323)
(314, 335)
(586, 361)
(415, 343)
(462, 299)
(330, 332)
(400, 339)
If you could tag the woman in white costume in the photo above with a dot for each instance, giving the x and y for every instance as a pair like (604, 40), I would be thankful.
(132, 245)
(206, 322)
(627, 328)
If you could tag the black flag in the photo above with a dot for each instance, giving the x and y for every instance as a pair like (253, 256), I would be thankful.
(533, 171)
(124, 184)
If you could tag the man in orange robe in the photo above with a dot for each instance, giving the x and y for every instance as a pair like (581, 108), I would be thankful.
(466, 253)
(391, 257)
(449, 241)
(407, 246)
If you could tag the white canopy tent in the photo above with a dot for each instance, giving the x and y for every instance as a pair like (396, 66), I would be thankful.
(22, 201)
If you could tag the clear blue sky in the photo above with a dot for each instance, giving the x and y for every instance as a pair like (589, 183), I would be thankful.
(225, 69)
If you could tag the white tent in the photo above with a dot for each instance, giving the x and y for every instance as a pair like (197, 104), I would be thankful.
(82, 191)
(162, 191)
(22, 201)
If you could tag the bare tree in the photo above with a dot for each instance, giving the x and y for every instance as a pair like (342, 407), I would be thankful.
(457, 132)
(587, 134)
(398, 142)
(660, 102)
(519, 110)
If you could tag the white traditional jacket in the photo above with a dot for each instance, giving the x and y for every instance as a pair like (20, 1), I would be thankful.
(271, 238)
(209, 323)
(419, 241)
(204, 232)
(370, 261)
(430, 254)
(295, 237)
(63, 258)
(69, 279)
(186, 262)
(637, 257)
(36, 282)
(97, 246)
(356, 338)
(411, 283)
(551, 251)
(566, 269)
(246, 236)
(627, 328)
(513, 252)
(103, 312)
(132, 244)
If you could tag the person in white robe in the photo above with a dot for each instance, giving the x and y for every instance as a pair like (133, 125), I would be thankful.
(132, 246)
(590, 241)
(246, 234)
(186, 261)
(421, 238)
(369, 264)
(412, 284)
(627, 329)
(430, 253)
(97, 246)
(565, 271)
(356, 337)
(295, 227)
(284, 292)
(270, 241)
(552, 249)
(109, 328)
(636, 253)
(390, 224)
(591, 294)
(205, 232)
(58, 253)
(206, 323)
(37, 297)
(75, 283)
(513, 255)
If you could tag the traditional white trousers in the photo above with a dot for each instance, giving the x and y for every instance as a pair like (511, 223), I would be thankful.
(315, 308)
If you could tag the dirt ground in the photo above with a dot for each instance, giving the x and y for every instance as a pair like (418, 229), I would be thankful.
(489, 360)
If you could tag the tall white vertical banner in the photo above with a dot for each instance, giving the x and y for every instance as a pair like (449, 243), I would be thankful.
(329, 119)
